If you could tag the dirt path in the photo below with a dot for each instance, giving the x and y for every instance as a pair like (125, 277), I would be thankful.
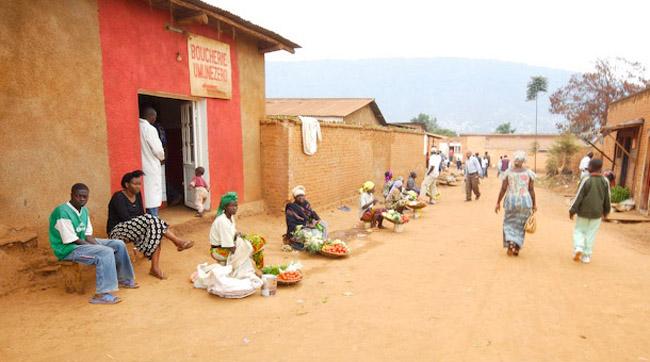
(442, 290)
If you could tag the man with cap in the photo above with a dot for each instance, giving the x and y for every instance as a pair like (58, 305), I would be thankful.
(431, 176)
(299, 213)
(584, 163)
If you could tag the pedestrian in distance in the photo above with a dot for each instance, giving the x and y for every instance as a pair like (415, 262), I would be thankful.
(472, 173)
(592, 204)
(518, 187)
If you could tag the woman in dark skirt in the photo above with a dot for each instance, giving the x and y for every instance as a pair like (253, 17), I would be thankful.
(127, 221)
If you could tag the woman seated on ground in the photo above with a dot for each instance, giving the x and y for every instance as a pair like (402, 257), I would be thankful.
(127, 221)
(224, 237)
(396, 199)
(300, 218)
(388, 183)
(370, 208)
(411, 185)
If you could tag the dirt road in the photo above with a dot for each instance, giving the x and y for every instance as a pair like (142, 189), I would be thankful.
(442, 290)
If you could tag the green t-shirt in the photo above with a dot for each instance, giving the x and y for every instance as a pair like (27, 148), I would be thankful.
(66, 226)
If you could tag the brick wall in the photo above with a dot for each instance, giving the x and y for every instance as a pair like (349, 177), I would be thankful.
(632, 108)
(348, 156)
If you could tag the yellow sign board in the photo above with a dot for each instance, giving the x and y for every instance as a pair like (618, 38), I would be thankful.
(210, 68)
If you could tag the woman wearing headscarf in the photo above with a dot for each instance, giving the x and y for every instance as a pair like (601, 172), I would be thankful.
(223, 232)
(127, 221)
(299, 215)
(370, 208)
(396, 200)
(519, 191)
(388, 183)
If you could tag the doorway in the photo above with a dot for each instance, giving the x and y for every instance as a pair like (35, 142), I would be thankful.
(181, 125)
(625, 140)
(645, 195)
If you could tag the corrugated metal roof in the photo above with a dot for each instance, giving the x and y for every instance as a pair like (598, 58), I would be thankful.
(219, 17)
(315, 107)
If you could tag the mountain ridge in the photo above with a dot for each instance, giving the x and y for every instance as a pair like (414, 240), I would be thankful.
(465, 95)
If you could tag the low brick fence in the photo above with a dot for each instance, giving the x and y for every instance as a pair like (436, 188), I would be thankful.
(347, 156)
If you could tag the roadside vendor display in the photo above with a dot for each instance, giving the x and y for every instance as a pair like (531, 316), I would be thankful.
(417, 206)
(287, 274)
(396, 218)
(335, 248)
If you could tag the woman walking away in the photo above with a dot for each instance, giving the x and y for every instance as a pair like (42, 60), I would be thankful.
(519, 191)
(127, 221)
(370, 208)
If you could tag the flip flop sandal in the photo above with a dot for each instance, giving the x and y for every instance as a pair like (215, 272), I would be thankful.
(106, 299)
(129, 284)
(186, 245)
(511, 248)
(515, 252)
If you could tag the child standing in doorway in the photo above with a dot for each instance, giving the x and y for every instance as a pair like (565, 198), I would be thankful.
(592, 203)
(201, 190)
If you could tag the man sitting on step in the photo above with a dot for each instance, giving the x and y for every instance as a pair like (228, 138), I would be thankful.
(71, 240)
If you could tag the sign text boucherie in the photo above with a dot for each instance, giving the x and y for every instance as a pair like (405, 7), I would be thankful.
(210, 69)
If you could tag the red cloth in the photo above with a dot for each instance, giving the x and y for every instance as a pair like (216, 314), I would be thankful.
(198, 181)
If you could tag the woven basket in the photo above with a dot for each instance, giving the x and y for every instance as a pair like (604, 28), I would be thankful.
(334, 255)
(288, 282)
(416, 207)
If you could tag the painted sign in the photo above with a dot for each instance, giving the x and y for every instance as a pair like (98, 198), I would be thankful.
(210, 68)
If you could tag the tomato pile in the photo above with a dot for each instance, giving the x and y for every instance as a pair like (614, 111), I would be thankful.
(336, 248)
(290, 276)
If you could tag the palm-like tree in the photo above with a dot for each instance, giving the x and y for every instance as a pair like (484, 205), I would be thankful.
(535, 86)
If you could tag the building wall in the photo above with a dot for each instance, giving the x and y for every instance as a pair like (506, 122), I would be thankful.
(139, 55)
(632, 108)
(348, 156)
(52, 111)
(364, 115)
(253, 109)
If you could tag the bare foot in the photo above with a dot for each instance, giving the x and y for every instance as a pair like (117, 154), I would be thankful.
(381, 227)
(158, 274)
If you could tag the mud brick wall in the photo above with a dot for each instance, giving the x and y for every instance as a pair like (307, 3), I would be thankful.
(347, 156)
(631, 108)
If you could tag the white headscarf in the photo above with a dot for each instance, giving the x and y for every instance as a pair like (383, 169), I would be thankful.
(396, 184)
(520, 155)
(298, 190)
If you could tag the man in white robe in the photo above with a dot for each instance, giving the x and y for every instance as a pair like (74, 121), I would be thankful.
(152, 154)
(584, 163)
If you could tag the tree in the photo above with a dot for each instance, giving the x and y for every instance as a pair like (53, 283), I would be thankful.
(504, 128)
(562, 151)
(535, 86)
(585, 99)
(534, 147)
(431, 125)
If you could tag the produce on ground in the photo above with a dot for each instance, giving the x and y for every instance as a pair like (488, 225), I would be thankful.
(336, 247)
(290, 276)
(395, 217)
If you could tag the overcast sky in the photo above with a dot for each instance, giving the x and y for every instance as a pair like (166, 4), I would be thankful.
(564, 34)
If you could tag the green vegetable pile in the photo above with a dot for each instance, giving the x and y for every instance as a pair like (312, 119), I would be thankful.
(620, 194)
(273, 269)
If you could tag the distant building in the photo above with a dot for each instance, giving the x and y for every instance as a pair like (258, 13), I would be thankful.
(626, 145)
(341, 110)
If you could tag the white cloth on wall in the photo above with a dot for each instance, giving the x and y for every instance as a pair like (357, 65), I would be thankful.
(311, 134)
(152, 153)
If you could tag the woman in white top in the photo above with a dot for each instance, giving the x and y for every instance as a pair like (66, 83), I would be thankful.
(369, 207)
(223, 232)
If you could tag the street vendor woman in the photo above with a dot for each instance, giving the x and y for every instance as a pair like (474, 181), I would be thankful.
(370, 208)
(224, 236)
(396, 199)
(223, 231)
(299, 213)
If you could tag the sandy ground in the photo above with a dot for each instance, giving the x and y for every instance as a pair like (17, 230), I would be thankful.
(443, 289)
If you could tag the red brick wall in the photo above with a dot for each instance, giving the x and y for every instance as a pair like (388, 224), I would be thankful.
(348, 156)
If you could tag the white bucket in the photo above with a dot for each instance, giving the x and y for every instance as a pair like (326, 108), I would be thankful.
(417, 213)
(399, 228)
(367, 225)
(269, 284)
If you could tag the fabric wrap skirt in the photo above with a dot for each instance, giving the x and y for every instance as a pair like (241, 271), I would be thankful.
(145, 231)
(513, 226)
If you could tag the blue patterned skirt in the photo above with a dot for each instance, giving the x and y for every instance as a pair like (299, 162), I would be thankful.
(513, 226)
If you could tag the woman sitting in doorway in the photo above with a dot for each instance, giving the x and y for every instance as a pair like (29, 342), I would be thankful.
(396, 200)
(301, 217)
(370, 208)
(127, 221)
